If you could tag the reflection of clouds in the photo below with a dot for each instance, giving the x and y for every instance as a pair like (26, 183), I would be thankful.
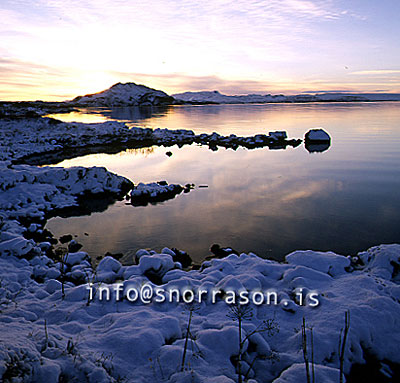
(78, 117)
(305, 191)
(245, 199)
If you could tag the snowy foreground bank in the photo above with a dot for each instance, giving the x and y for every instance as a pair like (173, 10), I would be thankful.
(48, 338)
(58, 324)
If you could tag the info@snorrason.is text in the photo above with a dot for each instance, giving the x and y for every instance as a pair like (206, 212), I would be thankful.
(148, 293)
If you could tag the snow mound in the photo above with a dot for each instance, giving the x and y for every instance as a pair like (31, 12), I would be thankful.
(328, 263)
(296, 373)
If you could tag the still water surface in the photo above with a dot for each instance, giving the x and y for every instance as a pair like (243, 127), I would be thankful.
(271, 202)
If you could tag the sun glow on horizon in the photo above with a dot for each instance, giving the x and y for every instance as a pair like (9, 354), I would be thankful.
(53, 50)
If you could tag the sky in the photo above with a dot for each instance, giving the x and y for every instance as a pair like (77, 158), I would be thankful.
(58, 49)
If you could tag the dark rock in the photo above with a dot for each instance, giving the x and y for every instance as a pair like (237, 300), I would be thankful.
(182, 257)
(65, 238)
(116, 256)
(188, 188)
(74, 246)
(221, 252)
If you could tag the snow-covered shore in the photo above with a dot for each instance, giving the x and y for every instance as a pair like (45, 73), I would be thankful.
(51, 331)
(24, 140)
(47, 337)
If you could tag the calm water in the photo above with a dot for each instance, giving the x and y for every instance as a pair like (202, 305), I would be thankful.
(270, 202)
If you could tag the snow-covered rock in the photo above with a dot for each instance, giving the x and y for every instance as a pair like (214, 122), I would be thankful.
(156, 264)
(72, 259)
(154, 192)
(18, 246)
(297, 373)
(317, 135)
(328, 263)
(278, 135)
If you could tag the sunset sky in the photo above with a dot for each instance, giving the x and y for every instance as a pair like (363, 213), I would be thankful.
(58, 49)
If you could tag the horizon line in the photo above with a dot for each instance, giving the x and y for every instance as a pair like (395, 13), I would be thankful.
(290, 93)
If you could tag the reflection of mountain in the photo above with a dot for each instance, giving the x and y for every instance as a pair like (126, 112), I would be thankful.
(134, 113)
(317, 148)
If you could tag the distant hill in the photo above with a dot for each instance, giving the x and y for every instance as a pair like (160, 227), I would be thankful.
(128, 94)
(216, 97)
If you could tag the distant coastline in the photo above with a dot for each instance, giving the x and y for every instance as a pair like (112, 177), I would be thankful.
(131, 94)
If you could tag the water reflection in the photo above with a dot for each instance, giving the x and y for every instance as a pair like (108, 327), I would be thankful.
(317, 148)
(132, 114)
(136, 114)
(269, 202)
(295, 119)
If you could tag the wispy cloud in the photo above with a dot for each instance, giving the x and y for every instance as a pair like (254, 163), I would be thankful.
(377, 72)
(22, 80)
(235, 46)
(180, 82)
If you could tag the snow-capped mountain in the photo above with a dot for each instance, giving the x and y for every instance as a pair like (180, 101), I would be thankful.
(216, 97)
(128, 94)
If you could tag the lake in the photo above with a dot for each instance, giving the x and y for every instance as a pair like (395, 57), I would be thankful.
(270, 202)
